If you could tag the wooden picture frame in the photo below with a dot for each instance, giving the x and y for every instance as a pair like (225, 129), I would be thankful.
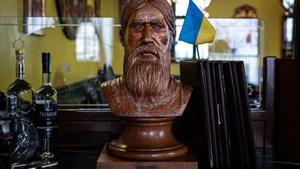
(34, 11)
(97, 8)
(73, 12)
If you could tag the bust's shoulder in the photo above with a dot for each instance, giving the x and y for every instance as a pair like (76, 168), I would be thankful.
(112, 85)
(180, 86)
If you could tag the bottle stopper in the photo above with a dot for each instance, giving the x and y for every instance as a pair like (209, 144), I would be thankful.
(19, 45)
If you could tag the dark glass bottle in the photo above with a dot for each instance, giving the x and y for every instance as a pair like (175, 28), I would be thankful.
(46, 113)
(19, 134)
(2, 102)
(20, 88)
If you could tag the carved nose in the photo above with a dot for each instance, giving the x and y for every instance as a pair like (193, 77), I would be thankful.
(147, 35)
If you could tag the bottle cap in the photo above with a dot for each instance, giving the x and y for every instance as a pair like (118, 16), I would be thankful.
(46, 62)
(19, 54)
(19, 45)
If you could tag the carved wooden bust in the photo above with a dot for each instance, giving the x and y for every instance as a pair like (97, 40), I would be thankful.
(147, 89)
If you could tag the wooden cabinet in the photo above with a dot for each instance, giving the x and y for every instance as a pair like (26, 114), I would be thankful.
(282, 92)
(85, 127)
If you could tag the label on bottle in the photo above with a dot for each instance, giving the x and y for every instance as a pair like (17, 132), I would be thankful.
(12, 105)
(23, 105)
(46, 114)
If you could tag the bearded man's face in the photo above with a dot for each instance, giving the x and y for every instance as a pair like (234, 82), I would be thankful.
(147, 59)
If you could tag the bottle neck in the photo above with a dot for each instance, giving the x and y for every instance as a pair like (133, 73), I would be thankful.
(20, 68)
(46, 78)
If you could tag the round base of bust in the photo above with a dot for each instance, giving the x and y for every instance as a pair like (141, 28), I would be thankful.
(147, 139)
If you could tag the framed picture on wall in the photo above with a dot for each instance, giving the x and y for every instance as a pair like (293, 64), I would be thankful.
(34, 13)
(72, 12)
(97, 8)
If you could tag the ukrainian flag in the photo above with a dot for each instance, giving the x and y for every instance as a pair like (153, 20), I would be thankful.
(196, 28)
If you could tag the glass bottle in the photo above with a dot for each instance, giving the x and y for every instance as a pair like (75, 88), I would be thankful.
(46, 113)
(20, 134)
(20, 88)
(2, 102)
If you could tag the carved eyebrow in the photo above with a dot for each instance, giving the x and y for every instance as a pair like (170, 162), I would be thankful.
(142, 21)
(157, 21)
(137, 21)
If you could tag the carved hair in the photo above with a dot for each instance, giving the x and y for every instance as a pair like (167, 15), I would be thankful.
(162, 5)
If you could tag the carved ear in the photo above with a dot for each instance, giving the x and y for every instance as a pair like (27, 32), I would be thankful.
(121, 36)
(174, 36)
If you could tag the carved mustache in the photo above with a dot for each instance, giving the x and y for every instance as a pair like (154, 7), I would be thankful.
(139, 51)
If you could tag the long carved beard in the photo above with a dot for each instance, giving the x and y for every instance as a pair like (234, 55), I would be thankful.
(145, 78)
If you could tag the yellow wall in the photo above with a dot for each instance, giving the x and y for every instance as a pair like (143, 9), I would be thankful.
(271, 11)
(54, 41)
(63, 50)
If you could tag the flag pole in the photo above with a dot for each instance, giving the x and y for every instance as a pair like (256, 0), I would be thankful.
(194, 52)
(198, 54)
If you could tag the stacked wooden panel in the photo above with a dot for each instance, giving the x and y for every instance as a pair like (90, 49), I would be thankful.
(217, 118)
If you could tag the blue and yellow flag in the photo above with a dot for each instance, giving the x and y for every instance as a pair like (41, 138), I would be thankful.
(196, 28)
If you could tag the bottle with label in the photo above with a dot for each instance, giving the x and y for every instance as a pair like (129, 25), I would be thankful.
(20, 88)
(19, 134)
(46, 113)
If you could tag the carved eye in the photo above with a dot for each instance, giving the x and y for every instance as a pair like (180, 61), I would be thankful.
(157, 27)
(137, 27)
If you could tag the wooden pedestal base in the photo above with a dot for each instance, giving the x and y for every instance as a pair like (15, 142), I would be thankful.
(106, 161)
(147, 139)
